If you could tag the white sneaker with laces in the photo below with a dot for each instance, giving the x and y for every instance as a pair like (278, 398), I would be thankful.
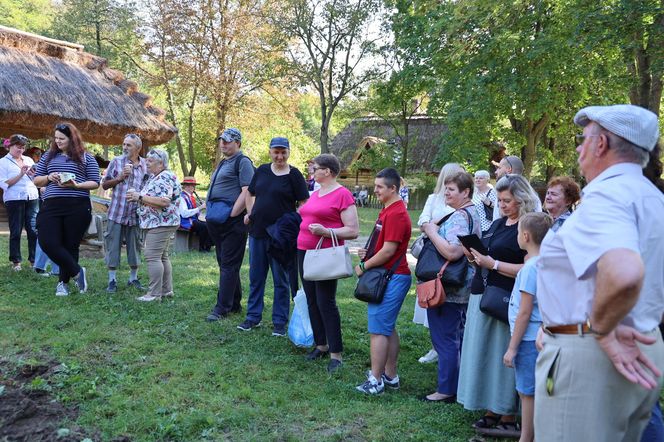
(430, 357)
(61, 289)
(371, 386)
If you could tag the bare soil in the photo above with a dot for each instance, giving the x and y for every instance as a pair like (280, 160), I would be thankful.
(32, 414)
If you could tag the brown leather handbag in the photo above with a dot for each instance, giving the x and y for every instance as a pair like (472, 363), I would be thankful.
(432, 293)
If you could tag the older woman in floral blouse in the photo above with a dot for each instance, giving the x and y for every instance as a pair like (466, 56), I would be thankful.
(158, 215)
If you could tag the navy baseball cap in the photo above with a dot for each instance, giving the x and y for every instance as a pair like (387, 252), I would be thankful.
(230, 134)
(281, 142)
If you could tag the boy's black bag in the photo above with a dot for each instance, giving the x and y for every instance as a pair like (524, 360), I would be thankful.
(372, 284)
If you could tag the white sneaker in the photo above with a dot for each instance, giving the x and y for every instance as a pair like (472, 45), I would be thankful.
(430, 357)
(61, 289)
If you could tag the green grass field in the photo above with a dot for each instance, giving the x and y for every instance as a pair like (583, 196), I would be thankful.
(158, 371)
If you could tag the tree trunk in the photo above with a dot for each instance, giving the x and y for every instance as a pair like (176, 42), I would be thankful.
(404, 147)
(105, 154)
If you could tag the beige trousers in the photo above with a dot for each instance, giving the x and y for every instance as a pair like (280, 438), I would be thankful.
(588, 400)
(155, 251)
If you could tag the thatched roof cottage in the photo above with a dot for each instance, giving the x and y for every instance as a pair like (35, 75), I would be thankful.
(44, 81)
(364, 133)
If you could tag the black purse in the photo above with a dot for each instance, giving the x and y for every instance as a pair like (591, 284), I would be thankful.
(430, 262)
(372, 284)
(488, 210)
(495, 302)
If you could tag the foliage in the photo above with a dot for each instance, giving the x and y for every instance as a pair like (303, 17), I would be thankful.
(329, 48)
(27, 15)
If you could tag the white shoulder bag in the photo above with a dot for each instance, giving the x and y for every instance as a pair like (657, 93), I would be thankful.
(330, 263)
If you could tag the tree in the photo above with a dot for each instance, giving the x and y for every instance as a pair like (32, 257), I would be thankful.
(329, 47)
(27, 15)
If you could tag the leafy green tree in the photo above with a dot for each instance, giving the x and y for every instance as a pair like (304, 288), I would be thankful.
(329, 49)
(27, 15)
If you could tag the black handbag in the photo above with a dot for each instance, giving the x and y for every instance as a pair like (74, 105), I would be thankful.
(372, 284)
(495, 302)
(430, 262)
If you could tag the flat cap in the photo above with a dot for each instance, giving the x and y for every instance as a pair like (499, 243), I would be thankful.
(637, 125)
(279, 142)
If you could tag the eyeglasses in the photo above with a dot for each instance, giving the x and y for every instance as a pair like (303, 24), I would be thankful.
(61, 127)
(579, 139)
(315, 168)
(132, 136)
(508, 162)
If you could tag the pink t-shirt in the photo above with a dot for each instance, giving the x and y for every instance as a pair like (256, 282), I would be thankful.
(325, 210)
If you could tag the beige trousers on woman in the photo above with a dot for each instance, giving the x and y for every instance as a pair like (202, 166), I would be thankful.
(157, 241)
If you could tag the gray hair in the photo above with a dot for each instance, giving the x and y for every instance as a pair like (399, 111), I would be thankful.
(627, 151)
(137, 139)
(482, 174)
(447, 171)
(521, 191)
(160, 155)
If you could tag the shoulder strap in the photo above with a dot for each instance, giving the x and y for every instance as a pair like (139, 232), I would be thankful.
(470, 220)
(445, 218)
(214, 178)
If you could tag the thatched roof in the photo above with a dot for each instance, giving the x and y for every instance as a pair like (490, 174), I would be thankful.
(424, 136)
(44, 81)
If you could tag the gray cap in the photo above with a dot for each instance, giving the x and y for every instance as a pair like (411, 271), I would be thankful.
(231, 134)
(637, 125)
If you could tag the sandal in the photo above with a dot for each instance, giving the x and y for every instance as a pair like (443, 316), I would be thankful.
(487, 421)
(503, 429)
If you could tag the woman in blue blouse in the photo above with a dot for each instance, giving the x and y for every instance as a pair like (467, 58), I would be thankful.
(68, 172)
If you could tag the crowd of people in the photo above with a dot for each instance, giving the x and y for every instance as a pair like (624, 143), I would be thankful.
(556, 313)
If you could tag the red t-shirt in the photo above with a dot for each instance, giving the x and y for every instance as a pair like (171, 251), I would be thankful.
(395, 227)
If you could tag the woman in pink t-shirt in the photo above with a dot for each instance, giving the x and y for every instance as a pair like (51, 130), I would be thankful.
(332, 207)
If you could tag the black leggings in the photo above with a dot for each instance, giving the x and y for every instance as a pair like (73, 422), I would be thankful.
(323, 310)
(62, 223)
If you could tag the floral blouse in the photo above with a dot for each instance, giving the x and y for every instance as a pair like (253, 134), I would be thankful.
(164, 184)
(558, 222)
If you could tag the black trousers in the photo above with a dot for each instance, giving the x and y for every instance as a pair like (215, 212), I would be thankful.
(21, 215)
(230, 240)
(200, 229)
(62, 223)
(323, 310)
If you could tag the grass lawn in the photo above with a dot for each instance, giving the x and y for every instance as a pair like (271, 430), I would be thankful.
(158, 371)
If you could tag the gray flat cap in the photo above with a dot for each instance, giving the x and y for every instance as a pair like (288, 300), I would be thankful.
(637, 125)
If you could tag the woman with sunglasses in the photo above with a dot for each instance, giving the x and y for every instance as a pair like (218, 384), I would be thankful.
(68, 172)
(21, 198)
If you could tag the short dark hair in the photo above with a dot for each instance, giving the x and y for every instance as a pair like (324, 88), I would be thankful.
(328, 161)
(463, 180)
(391, 177)
(537, 224)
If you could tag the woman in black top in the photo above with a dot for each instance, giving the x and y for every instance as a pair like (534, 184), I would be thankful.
(484, 382)
(276, 189)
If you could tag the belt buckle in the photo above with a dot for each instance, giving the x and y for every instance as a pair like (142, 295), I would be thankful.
(547, 331)
(579, 329)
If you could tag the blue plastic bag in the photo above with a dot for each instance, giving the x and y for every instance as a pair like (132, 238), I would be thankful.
(299, 327)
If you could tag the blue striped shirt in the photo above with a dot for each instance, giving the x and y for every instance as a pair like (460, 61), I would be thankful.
(88, 171)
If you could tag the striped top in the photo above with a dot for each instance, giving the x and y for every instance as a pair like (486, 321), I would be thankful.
(88, 171)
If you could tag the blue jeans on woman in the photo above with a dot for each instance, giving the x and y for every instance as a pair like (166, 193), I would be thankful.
(259, 263)
(446, 324)
(42, 261)
(22, 214)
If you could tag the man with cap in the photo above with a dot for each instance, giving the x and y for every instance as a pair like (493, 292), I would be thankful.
(128, 171)
(189, 211)
(510, 165)
(276, 189)
(229, 185)
(601, 289)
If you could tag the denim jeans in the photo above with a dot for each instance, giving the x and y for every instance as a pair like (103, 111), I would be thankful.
(446, 326)
(654, 431)
(42, 261)
(259, 263)
(22, 214)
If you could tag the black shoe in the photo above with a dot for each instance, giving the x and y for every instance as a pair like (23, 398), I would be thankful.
(112, 286)
(334, 365)
(136, 284)
(315, 354)
(247, 325)
(214, 316)
(279, 330)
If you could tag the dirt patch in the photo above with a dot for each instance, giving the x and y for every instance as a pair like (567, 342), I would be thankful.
(28, 412)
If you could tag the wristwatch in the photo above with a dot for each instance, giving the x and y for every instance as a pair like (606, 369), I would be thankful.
(495, 265)
(140, 199)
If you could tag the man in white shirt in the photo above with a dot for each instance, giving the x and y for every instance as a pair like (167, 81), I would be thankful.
(601, 289)
(190, 209)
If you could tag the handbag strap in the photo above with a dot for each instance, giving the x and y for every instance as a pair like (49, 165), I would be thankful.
(445, 218)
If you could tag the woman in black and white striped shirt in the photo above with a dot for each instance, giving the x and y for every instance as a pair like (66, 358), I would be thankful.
(69, 173)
